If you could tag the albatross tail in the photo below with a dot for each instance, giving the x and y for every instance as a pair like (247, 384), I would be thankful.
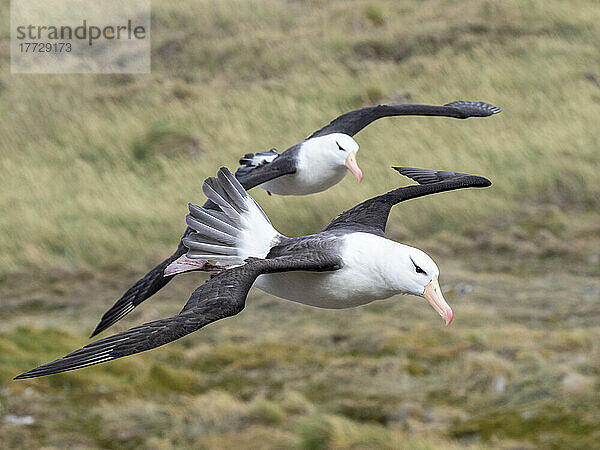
(252, 160)
(226, 236)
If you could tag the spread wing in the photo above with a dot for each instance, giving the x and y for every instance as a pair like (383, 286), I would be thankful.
(222, 296)
(285, 164)
(143, 289)
(371, 215)
(354, 121)
(155, 279)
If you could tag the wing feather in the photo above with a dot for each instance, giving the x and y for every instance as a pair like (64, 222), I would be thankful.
(371, 215)
(222, 296)
(352, 122)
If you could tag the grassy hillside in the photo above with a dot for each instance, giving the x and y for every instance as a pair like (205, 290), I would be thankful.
(96, 172)
(518, 368)
(97, 169)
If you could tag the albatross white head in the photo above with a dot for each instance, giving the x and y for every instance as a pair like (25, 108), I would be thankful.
(342, 150)
(336, 151)
(322, 162)
(414, 272)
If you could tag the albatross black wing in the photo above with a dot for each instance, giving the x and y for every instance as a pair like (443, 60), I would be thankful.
(222, 296)
(371, 215)
(284, 164)
(354, 121)
(155, 279)
(143, 289)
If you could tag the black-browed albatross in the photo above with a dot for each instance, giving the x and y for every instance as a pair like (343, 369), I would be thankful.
(348, 264)
(314, 165)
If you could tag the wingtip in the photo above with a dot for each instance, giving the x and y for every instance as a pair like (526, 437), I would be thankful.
(427, 176)
(102, 325)
(484, 181)
(475, 109)
(34, 373)
(106, 322)
(111, 317)
(26, 375)
(99, 329)
(95, 333)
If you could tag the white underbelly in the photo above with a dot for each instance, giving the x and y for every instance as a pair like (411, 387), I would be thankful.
(344, 288)
(303, 184)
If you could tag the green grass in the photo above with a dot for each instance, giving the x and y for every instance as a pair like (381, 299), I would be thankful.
(97, 169)
(96, 172)
(520, 367)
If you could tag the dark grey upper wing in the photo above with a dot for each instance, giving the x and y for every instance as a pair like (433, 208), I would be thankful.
(222, 296)
(371, 215)
(284, 164)
(354, 121)
(143, 289)
(155, 279)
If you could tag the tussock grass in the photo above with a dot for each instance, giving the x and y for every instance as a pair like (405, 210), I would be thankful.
(97, 170)
(519, 368)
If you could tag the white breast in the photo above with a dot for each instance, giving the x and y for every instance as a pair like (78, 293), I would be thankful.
(358, 282)
(315, 173)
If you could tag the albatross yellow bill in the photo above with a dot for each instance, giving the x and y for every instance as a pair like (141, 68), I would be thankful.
(433, 294)
(352, 166)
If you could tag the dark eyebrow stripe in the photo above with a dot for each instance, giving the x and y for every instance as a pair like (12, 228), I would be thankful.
(416, 265)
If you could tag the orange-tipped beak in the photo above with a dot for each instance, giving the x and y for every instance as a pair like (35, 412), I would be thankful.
(433, 294)
(352, 166)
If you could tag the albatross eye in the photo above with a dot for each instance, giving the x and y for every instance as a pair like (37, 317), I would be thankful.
(417, 268)
(339, 146)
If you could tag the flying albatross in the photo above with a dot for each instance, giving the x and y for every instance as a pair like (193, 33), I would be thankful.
(314, 165)
(348, 264)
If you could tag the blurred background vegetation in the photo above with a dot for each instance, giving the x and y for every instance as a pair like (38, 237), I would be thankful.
(96, 172)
